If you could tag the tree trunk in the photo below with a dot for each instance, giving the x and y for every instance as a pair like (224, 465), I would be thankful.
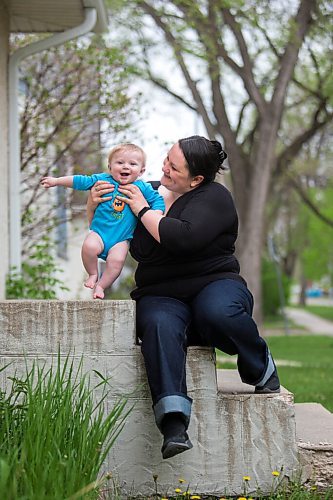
(302, 295)
(252, 218)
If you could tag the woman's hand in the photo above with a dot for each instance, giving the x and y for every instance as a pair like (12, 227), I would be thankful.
(95, 197)
(133, 197)
(98, 190)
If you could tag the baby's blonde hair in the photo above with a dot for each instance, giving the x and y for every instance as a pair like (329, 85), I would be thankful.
(127, 147)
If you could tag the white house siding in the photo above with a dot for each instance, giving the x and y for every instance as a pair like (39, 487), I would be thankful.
(73, 273)
(4, 48)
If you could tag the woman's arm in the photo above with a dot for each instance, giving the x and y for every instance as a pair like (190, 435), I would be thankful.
(136, 201)
(95, 197)
(208, 213)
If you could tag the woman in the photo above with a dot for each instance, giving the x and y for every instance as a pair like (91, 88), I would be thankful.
(189, 290)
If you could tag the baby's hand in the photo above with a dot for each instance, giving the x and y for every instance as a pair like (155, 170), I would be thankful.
(48, 182)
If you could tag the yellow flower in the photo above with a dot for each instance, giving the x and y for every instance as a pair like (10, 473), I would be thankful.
(241, 498)
(178, 490)
(195, 497)
(181, 480)
(164, 498)
(276, 473)
(246, 478)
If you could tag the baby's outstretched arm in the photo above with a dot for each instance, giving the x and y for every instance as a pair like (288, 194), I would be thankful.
(66, 181)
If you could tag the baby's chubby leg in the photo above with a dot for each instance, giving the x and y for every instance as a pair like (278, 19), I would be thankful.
(114, 264)
(91, 248)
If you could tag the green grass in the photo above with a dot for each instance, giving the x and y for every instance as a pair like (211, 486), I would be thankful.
(312, 381)
(280, 490)
(54, 434)
(325, 312)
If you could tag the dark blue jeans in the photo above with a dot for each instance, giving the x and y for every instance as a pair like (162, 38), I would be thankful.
(220, 315)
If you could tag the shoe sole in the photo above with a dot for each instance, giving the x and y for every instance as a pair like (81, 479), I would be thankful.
(173, 448)
(267, 391)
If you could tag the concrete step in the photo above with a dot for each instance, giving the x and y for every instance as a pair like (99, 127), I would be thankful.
(314, 425)
(314, 431)
(229, 382)
(234, 432)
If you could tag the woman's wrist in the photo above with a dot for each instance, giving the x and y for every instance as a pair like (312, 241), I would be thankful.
(142, 212)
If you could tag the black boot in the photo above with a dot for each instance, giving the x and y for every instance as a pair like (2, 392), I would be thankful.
(271, 386)
(176, 439)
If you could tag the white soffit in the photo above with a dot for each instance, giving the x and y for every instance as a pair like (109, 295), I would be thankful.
(40, 16)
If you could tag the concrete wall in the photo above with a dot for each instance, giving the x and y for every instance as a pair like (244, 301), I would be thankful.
(4, 34)
(234, 432)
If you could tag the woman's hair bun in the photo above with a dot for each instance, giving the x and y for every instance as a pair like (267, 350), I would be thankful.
(220, 151)
(223, 155)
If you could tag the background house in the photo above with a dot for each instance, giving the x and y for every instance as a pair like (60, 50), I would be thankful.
(65, 19)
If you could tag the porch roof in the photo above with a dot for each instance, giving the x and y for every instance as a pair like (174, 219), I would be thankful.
(40, 16)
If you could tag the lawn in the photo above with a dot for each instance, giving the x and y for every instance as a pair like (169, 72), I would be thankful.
(325, 312)
(311, 380)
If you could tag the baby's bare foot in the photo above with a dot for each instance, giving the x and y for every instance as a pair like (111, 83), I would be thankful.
(91, 281)
(98, 292)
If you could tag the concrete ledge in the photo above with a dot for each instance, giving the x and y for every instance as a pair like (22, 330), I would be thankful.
(314, 430)
(234, 431)
(47, 325)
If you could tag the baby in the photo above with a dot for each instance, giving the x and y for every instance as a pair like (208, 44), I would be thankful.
(113, 223)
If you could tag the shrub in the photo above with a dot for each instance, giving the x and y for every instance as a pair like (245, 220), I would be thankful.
(38, 279)
(270, 288)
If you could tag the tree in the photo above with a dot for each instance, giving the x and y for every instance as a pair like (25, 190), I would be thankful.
(245, 67)
(76, 103)
(301, 214)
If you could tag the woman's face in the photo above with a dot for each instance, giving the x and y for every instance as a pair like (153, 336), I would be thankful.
(176, 176)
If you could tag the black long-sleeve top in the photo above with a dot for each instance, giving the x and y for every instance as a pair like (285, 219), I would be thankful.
(197, 245)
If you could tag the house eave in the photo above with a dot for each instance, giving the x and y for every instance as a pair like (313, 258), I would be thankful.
(42, 16)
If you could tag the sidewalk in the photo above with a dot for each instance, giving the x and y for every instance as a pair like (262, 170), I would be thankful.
(314, 324)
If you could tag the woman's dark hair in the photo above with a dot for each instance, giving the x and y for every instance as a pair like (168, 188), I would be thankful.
(203, 157)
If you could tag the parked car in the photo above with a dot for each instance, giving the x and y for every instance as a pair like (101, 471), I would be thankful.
(314, 292)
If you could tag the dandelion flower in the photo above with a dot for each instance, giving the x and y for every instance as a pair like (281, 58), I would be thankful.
(195, 497)
(246, 478)
(241, 498)
(178, 490)
(181, 480)
(164, 498)
(276, 473)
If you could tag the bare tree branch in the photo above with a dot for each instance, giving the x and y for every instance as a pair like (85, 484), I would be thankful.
(178, 54)
(308, 202)
(303, 21)
(240, 117)
(247, 70)
(290, 153)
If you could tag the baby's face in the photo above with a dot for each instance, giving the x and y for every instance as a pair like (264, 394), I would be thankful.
(126, 166)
